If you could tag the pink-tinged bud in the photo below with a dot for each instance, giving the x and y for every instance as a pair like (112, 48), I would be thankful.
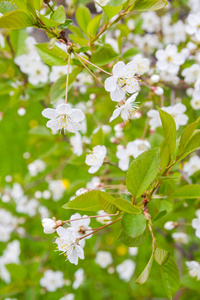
(49, 225)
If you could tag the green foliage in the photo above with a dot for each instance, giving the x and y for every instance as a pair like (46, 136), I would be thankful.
(145, 274)
(131, 242)
(16, 19)
(169, 128)
(134, 225)
(103, 55)
(187, 191)
(161, 255)
(6, 6)
(126, 206)
(143, 171)
(186, 135)
(170, 276)
(192, 145)
(59, 15)
(83, 17)
(66, 24)
(111, 11)
(145, 5)
(52, 57)
(93, 25)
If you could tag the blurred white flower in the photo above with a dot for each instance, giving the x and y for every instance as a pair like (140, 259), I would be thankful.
(52, 280)
(192, 73)
(57, 72)
(95, 158)
(57, 188)
(151, 22)
(126, 269)
(76, 142)
(79, 277)
(122, 81)
(36, 167)
(68, 297)
(180, 237)
(68, 244)
(38, 73)
(103, 259)
(142, 63)
(193, 25)
(196, 224)
(133, 251)
(169, 59)
(64, 117)
(103, 220)
(169, 225)
(194, 268)
(195, 102)
(192, 166)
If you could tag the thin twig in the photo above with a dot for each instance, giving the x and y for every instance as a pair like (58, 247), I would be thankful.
(67, 80)
(87, 61)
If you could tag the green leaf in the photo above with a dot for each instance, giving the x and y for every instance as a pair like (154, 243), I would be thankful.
(16, 19)
(53, 57)
(130, 52)
(6, 6)
(16, 271)
(104, 55)
(67, 24)
(116, 2)
(170, 276)
(93, 201)
(126, 206)
(161, 255)
(83, 17)
(131, 242)
(59, 15)
(187, 191)
(143, 171)
(186, 135)
(111, 11)
(37, 4)
(57, 89)
(134, 225)
(192, 145)
(93, 25)
(145, 274)
(146, 5)
(26, 5)
(87, 202)
(48, 22)
(107, 203)
(169, 128)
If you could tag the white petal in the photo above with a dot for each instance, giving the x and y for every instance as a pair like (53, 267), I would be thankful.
(118, 69)
(93, 169)
(63, 109)
(76, 115)
(116, 113)
(49, 113)
(54, 124)
(72, 126)
(117, 95)
(110, 84)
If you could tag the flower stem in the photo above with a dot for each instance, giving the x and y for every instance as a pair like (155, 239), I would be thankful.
(67, 80)
(88, 69)
(100, 228)
(87, 61)
(89, 217)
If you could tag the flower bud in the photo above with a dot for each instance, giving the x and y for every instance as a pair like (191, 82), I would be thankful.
(169, 225)
(48, 225)
(158, 91)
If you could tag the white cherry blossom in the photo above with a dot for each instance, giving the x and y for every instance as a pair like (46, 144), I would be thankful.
(194, 268)
(95, 158)
(193, 25)
(126, 269)
(52, 280)
(142, 63)
(195, 102)
(126, 110)
(169, 59)
(48, 225)
(192, 166)
(64, 117)
(68, 244)
(122, 81)
(57, 72)
(80, 226)
(103, 259)
(196, 224)
(192, 73)
(79, 278)
(151, 22)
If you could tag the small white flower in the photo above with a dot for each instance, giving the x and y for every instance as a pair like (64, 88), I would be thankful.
(103, 259)
(196, 225)
(67, 244)
(80, 226)
(180, 237)
(169, 225)
(57, 72)
(142, 63)
(52, 280)
(169, 59)
(64, 117)
(195, 102)
(127, 110)
(95, 158)
(57, 188)
(126, 269)
(194, 268)
(103, 220)
(48, 225)
(38, 73)
(36, 167)
(79, 277)
(122, 81)
(133, 251)
(192, 73)
(151, 22)
(192, 166)
(76, 142)
(68, 297)
(193, 24)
